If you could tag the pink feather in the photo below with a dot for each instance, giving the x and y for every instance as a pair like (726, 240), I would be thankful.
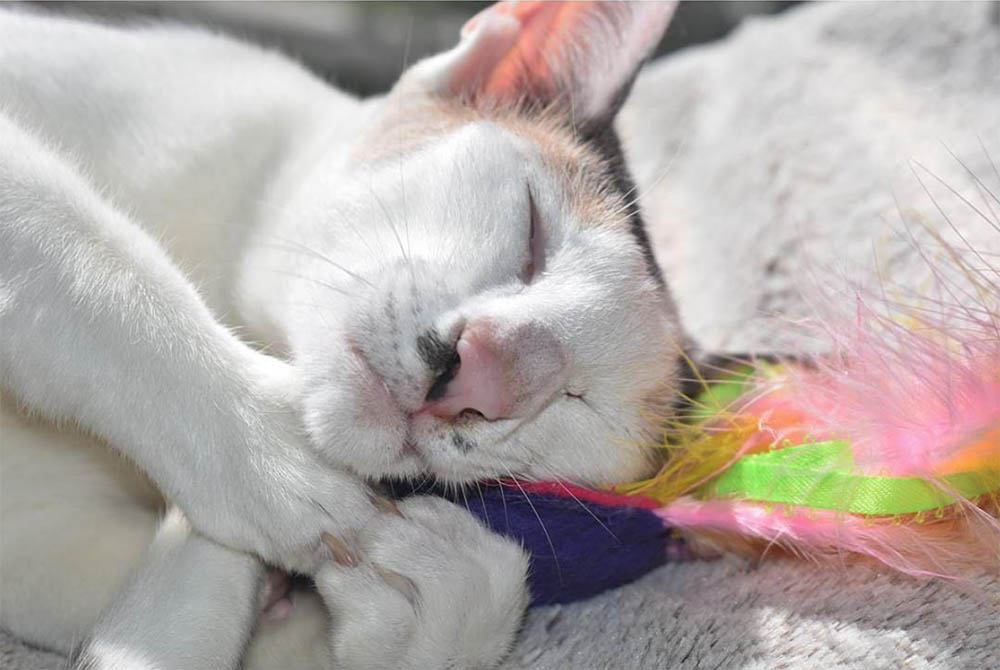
(914, 387)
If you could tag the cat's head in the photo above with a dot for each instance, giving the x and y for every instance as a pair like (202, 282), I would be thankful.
(488, 304)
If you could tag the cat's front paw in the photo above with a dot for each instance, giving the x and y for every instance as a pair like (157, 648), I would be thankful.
(427, 589)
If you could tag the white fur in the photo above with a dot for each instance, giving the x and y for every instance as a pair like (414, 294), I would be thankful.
(151, 619)
(160, 188)
(448, 592)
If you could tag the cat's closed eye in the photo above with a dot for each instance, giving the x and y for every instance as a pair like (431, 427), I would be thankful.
(535, 264)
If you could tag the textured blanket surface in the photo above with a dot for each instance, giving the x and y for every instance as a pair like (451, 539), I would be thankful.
(782, 156)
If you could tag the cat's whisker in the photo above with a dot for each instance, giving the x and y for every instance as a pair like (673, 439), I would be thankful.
(486, 510)
(465, 498)
(312, 252)
(406, 216)
(541, 524)
(299, 303)
(532, 416)
(419, 485)
(451, 216)
(588, 510)
(503, 501)
(325, 285)
(353, 224)
(406, 58)
(390, 220)
(562, 483)
(656, 182)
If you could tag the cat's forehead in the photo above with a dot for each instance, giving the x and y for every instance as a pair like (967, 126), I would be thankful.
(573, 167)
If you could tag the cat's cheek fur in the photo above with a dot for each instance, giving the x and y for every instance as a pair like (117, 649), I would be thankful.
(353, 419)
(593, 323)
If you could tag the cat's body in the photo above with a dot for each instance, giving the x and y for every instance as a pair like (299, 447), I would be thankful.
(456, 283)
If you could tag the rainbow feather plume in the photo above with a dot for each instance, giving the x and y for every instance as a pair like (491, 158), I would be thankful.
(889, 447)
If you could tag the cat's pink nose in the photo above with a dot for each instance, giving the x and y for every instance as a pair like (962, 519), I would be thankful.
(479, 384)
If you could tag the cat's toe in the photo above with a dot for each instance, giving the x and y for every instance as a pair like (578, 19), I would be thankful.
(432, 588)
(372, 623)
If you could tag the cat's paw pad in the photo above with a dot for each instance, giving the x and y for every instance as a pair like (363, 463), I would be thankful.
(430, 589)
(275, 602)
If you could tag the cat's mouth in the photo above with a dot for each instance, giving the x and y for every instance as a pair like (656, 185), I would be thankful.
(411, 438)
(420, 430)
(411, 450)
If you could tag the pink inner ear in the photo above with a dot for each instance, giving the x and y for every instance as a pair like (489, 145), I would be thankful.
(527, 65)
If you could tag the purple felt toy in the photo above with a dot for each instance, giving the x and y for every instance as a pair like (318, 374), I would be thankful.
(581, 542)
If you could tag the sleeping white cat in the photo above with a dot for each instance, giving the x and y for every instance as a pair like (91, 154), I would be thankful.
(266, 293)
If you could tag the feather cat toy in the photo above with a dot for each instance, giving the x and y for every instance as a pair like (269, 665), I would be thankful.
(887, 448)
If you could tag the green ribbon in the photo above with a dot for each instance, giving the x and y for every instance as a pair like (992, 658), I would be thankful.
(820, 475)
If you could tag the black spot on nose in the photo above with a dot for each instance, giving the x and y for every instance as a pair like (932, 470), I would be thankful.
(435, 352)
(442, 360)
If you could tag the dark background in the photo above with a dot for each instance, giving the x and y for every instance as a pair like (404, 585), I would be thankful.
(362, 46)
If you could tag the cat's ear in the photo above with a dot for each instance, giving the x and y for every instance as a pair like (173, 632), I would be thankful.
(580, 56)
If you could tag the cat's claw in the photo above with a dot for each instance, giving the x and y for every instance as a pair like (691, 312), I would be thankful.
(340, 551)
(432, 589)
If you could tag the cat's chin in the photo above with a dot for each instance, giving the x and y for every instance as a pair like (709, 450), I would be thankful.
(417, 461)
(408, 466)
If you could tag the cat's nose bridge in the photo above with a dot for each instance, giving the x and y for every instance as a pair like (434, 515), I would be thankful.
(408, 326)
(495, 372)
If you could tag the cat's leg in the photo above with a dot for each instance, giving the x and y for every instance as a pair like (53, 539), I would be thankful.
(428, 589)
(101, 329)
(77, 520)
(76, 517)
(191, 604)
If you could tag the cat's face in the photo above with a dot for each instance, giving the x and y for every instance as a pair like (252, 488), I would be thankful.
(486, 305)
